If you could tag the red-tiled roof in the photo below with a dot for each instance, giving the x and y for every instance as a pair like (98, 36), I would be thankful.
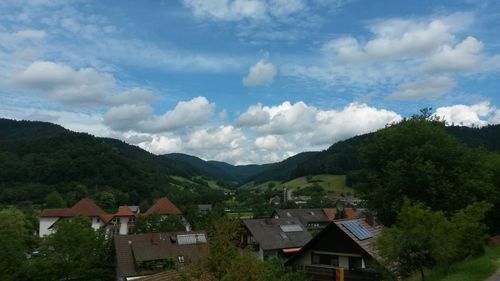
(350, 213)
(59, 212)
(106, 218)
(330, 213)
(124, 211)
(85, 207)
(163, 207)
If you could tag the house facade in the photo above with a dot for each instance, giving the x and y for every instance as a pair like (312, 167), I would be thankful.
(343, 247)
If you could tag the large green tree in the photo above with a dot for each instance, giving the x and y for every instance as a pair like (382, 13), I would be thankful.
(16, 241)
(424, 238)
(417, 159)
(74, 252)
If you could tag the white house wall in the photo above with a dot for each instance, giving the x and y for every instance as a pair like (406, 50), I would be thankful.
(45, 223)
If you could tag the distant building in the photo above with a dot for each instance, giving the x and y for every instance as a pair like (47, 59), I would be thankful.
(316, 218)
(164, 207)
(120, 223)
(140, 255)
(275, 200)
(344, 245)
(205, 208)
(275, 237)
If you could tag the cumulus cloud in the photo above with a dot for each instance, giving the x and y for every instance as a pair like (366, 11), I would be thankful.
(430, 87)
(313, 126)
(262, 73)
(397, 51)
(465, 56)
(469, 115)
(140, 118)
(67, 85)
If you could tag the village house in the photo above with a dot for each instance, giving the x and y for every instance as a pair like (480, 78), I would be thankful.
(344, 247)
(274, 237)
(120, 223)
(315, 218)
(140, 255)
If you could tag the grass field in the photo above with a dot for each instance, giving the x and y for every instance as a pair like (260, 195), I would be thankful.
(333, 184)
(473, 269)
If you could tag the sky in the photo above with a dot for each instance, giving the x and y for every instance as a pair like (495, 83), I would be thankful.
(247, 81)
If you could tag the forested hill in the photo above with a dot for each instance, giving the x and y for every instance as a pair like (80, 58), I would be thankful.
(344, 156)
(240, 174)
(221, 171)
(37, 158)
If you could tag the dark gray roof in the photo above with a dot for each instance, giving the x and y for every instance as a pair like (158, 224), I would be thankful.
(366, 244)
(134, 248)
(278, 233)
(305, 216)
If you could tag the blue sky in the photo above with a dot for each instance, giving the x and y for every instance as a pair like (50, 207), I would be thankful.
(247, 81)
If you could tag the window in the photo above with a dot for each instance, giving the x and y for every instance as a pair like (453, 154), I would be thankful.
(180, 259)
(325, 259)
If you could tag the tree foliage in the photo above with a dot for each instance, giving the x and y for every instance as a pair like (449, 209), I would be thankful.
(74, 252)
(158, 223)
(423, 238)
(417, 159)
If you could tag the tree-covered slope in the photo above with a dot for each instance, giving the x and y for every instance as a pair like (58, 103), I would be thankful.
(37, 158)
(220, 171)
(344, 156)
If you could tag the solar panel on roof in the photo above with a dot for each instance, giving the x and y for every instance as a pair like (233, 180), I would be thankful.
(187, 239)
(358, 230)
(291, 228)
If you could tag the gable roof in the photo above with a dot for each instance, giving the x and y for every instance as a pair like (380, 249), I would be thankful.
(270, 234)
(124, 211)
(130, 249)
(365, 244)
(305, 216)
(163, 206)
(86, 207)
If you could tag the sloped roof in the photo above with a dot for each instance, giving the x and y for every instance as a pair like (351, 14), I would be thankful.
(56, 212)
(124, 211)
(306, 216)
(86, 207)
(350, 213)
(163, 206)
(106, 218)
(270, 235)
(365, 244)
(330, 213)
(130, 249)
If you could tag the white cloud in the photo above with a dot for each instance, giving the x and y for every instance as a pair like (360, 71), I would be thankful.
(262, 73)
(304, 125)
(140, 118)
(67, 85)
(272, 143)
(254, 116)
(467, 115)
(236, 10)
(398, 50)
(430, 87)
(31, 34)
(465, 56)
